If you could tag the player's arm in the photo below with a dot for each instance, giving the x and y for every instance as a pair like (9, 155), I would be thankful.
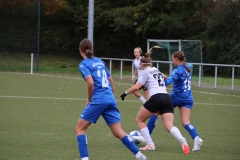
(112, 84)
(168, 81)
(142, 79)
(134, 88)
(90, 86)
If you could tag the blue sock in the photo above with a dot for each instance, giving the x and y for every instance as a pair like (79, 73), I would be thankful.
(191, 130)
(82, 145)
(152, 123)
(127, 141)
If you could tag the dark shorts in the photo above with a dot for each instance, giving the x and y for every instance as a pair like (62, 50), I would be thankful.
(159, 102)
(144, 87)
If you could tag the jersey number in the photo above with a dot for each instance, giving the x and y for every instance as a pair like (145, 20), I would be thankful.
(159, 77)
(187, 84)
(105, 82)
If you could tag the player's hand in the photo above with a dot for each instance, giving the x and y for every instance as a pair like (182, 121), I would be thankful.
(123, 96)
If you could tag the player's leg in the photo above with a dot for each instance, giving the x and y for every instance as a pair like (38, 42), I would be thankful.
(152, 122)
(139, 96)
(146, 92)
(167, 119)
(126, 140)
(167, 114)
(90, 114)
(185, 113)
(142, 116)
(112, 118)
(80, 130)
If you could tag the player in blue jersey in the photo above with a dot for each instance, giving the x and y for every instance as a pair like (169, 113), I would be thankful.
(181, 94)
(100, 102)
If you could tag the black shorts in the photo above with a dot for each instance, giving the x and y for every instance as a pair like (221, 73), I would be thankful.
(159, 102)
(144, 87)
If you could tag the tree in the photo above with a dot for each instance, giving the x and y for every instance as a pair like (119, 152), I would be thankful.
(222, 36)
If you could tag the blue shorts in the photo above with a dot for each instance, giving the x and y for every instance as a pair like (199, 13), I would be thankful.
(109, 111)
(182, 102)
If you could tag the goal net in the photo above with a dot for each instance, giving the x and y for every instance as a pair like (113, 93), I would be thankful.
(191, 48)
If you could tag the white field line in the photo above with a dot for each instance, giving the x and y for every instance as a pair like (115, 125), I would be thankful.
(80, 78)
(217, 94)
(82, 99)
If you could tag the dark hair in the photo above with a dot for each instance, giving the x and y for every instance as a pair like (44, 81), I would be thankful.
(87, 48)
(180, 55)
(146, 60)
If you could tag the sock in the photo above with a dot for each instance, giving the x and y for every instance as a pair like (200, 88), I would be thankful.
(196, 138)
(128, 142)
(146, 135)
(191, 130)
(176, 133)
(82, 145)
(142, 99)
(138, 154)
(152, 122)
(85, 158)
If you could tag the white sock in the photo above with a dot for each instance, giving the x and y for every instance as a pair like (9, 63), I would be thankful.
(196, 138)
(142, 99)
(176, 133)
(138, 154)
(85, 158)
(146, 135)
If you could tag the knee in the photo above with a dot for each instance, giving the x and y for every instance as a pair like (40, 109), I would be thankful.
(77, 130)
(80, 130)
(168, 127)
(137, 120)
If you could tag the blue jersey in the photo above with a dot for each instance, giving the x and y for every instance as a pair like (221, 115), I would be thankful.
(95, 67)
(181, 82)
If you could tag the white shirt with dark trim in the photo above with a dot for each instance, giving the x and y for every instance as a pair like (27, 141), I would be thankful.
(136, 63)
(154, 80)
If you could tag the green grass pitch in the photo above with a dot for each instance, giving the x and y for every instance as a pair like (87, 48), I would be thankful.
(38, 114)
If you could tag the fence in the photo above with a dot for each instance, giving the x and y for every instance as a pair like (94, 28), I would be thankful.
(200, 66)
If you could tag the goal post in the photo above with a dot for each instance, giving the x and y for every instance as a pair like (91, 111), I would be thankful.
(191, 48)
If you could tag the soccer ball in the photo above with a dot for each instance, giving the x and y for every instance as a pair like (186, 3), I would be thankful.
(135, 133)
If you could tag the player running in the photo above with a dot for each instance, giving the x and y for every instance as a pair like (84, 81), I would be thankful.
(181, 94)
(159, 101)
(100, 102)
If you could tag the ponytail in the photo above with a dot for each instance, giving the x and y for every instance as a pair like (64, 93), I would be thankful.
(180, 55)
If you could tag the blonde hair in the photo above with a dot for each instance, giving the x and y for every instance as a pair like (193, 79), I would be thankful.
(139, 48)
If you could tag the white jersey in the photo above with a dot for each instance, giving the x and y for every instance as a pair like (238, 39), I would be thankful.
(154, 80)
(136, 63)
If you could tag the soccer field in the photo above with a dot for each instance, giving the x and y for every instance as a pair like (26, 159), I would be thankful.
(38, 114)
